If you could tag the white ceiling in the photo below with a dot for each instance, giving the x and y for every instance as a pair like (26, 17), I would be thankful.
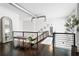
(51, 10)
(13, 9)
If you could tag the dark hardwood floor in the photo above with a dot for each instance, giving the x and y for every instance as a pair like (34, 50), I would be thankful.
(43, 50)
(8, 50)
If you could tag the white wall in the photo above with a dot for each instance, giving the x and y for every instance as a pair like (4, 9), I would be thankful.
(15, 17)
(39, 24)
(28, 25)
(58, 24)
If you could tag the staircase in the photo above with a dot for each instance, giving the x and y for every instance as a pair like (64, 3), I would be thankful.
(42, 37)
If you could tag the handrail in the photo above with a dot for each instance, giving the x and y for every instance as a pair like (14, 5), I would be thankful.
(62, 33)
(26, 31)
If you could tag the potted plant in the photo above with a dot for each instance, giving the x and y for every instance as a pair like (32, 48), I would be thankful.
(30, 40)
(72, 24)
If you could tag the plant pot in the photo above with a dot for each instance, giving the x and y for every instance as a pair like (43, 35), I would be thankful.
(31, 44)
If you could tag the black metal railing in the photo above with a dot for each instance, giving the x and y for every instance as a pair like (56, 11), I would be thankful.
(23, 35)
(60, 38)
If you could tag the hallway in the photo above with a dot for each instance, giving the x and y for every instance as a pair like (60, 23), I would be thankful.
(31, 24)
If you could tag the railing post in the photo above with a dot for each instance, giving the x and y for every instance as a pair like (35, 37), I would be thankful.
(23, 40)
(53, 41)
(37, 40)
(74, 39)
(43, 35)
(74, 47)
(13, 37)
(23, 34)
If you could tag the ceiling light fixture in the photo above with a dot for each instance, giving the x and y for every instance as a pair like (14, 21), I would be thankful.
(38, 17)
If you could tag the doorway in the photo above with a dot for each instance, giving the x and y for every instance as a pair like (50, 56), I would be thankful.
(6, 29)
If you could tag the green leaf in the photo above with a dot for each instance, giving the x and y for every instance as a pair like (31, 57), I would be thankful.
(67, 25)
(30, 38)
(69, 20)
(75, 21)
(78, 28)
(73, 26)
(73, 16)
(67, 29)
